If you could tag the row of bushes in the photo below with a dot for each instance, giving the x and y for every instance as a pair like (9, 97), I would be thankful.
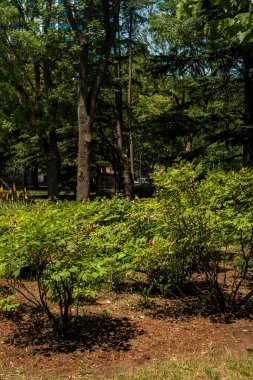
(197, 229)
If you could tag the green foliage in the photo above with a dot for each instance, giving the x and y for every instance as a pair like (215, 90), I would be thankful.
(176, 253)
(6, 301)
(234, 17)
(71, 250)
(210, 228)
(198, 228)
(7, 305)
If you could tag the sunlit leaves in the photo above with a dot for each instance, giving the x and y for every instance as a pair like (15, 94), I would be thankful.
(229, 18)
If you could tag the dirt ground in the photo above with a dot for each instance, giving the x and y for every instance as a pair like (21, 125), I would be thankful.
(119, 333)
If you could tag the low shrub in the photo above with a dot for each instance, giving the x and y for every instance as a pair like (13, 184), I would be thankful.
(72, 249)
(7, 303)
(209, 224)
(198, 228)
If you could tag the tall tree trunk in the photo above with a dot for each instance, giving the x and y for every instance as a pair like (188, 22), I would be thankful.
(48, 141)
(52, 175)
(89, 86)
(124, 175)
(52, 161)
(130, 76)
(84, 141)
(248, 82)
(125, 179)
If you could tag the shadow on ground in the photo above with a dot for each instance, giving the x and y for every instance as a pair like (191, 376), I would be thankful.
(187, 306)
(183, 309)
(88, 332)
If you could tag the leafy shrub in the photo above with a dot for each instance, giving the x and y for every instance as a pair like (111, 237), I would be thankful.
(6, 300)
(198, 228)
(209, 231)
(227, 199)
(73, 249)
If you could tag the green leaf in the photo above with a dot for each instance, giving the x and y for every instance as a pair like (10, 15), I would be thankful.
(16, 273)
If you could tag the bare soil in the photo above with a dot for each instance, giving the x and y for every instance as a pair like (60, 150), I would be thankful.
(118, 333)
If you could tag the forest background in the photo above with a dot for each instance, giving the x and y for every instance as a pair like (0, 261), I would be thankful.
(125, 85)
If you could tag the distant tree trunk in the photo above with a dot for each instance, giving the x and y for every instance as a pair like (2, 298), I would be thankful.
(126, 174)
(130, 90)
(52, 161)
(47, 140)
(52, 180)
(248, 82)
(188, 143)
(24, 184)
(123, 173)
(34, 177)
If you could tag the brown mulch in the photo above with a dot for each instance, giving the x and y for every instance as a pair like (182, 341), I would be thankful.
(119, 333)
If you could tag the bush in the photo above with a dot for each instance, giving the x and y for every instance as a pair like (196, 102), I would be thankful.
(174, 249)
(72, 248)
(198, 228)
(6, 300)
(209, 231)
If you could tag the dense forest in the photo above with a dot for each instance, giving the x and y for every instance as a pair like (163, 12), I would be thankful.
(119, 87)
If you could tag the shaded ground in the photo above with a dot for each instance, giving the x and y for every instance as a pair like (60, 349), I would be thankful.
(118, 333)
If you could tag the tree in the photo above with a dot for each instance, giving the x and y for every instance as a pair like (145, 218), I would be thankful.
(84, 19)
(34, 56)
(231, 21)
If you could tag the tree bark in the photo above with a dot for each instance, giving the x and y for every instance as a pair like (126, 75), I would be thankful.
(51, 157)
(122, 166)
(84, 141)
(87, 97)
(52, 175)
(48, 141)
(130, 77)
(124, 175)
(34, 177)
(188, 143)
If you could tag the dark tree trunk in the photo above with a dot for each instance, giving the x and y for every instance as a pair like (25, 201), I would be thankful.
(52, 181)
(248, 82)
(34, 177)
(124, 173)
(47, 140)
(123, 169)
(52, 160)
(24, 179)
(52, 174)
(122, 166)
(130, 90)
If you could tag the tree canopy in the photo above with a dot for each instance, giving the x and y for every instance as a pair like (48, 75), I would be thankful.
(118, 87)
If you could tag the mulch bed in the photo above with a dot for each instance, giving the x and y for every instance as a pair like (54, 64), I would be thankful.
(118, 333)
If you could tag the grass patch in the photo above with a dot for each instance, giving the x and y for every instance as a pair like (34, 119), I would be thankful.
(229, 369)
